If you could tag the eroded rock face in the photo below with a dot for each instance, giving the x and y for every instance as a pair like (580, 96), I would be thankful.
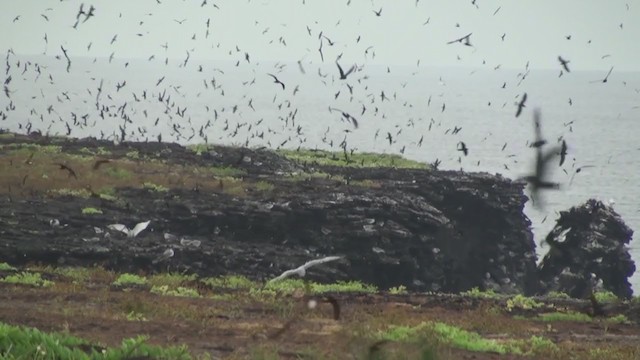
(427, 230)
(588, 239)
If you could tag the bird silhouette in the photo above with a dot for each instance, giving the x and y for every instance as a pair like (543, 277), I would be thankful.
(521, 104)
(343, 75)
(275, 80)
(606, 78)
(302, 270)
(538, 181)
(463, 147)
(68, 169)
(466, 39)
(564, 63)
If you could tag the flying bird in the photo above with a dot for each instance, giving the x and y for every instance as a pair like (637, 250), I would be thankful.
(275, 80)
(521, 104)
(606, 78)
(378, 13)
(347, 116)
(466, 39)
(167, 254)
(463, 147)
(343, 75)
(69, 170)
(564, 63)
(131, 233)
(538, 181)
(302, 270)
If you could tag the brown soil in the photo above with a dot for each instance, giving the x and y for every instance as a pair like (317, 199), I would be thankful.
(235, 325)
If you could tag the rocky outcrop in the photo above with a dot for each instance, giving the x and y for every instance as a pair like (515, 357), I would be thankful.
(588, 247)
(425, 229)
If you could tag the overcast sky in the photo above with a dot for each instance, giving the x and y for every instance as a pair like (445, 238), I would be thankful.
(535, 31)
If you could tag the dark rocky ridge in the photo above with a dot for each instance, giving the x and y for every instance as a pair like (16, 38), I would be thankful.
(425, 229)
(594, 242)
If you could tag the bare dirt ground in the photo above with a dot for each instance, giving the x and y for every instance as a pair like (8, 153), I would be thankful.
(228, 323)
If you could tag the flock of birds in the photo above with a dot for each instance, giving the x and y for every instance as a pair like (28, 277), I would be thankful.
(351, 82)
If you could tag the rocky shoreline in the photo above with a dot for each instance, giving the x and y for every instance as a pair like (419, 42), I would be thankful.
(256, 212)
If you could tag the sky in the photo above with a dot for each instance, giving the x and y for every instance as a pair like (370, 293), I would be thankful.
(406, 33)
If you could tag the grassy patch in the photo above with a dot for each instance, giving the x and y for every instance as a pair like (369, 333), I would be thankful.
(32, 148)
(82, 193)
(130, 279)
(558, 295)
(199, 149)
(605, 296)
(18, 342)
(230, 282)
(77, 274)
(154, 187)
(398, 290)
(264, 186)
(178, 291)
(171, 279)
(477, 293)
(118, 173)
(322, 157)
(27, 278)
(288, 286)
(522, 302)
(227, 171)
(6, 267)
(91, 211)
(466, 340)
(568, 316)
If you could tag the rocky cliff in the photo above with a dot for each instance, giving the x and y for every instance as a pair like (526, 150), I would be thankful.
(265, 213)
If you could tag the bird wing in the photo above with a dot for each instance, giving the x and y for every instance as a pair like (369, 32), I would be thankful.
(315, 262)
(139, 227)
(340, 70)
(284, 275)
(119, 227)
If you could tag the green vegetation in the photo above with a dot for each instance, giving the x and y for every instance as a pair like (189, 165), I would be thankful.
(230, 282)
(264, 186)
(118, 173)
(288, 286)
(199, 149)
(77, 274)
(154, 187)
(17, 342)
(522, 302)
(477, 293)
(178, 291)
(171, 279)
(398, 290)
(83, 193)
(6, 267)
(568, 316)
(27, 278)
(129, 279)
(227, 172)
(31, 148)
(95, 151)
(463, 339)
(605, 296)
(91, 211)
(108, 193)
(133, 154)
(558, 295)
(619, 319)
(322, 157)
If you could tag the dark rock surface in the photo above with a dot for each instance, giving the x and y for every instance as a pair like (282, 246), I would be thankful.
(588, 239)
(427, 230)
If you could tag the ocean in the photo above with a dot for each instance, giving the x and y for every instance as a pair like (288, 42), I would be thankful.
(241, 105)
